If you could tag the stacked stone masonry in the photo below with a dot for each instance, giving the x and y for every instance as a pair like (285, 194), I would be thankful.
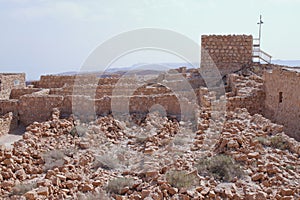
(34, 104)
(6, 123)
(229, 53)
(9, 81)
(273, 95)
(246, 92)
(282, 99)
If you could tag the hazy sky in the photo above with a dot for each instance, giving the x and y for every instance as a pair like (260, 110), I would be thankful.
(48, 36)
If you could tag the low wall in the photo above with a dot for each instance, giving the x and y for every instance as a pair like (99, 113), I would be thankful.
(38, 108)
(54, 81)
(17, 93)
(32, 107)
(246, 92)
(167, 103)
(7, 106)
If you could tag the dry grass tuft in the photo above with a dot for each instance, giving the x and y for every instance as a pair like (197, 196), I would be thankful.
(116, 185)
(79, 131)
(221, 167)
(92, 196)
(180, 179)
(22, 188)
(141, 139)
(53, 159)
(279, 142)
(106, 161)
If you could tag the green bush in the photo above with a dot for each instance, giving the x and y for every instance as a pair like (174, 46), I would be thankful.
(221, 167)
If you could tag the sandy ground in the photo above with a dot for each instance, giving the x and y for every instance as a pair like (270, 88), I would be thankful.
(15, 135)
(9, 139)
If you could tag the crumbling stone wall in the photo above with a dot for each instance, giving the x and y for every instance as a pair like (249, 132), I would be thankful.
(6, 123)
(229, 53)
(37, 107)
(17, 93)
(282, 99)
(7, 106)
(107, 90)
(246, 92)
(35, 104)
(54, 81)
(10, 111)
(9, 81)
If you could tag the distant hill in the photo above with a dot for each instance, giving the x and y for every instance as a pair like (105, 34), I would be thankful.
(147, 69)
(139, 69)
(290, 63)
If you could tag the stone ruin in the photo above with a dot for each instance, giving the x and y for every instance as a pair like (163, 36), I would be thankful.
(266, 89)
(9, 81)
(61, 157)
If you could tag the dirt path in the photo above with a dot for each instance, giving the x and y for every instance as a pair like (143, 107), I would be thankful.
(9, 139)
(15, 135)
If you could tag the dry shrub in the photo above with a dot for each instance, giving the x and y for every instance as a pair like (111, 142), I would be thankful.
(22, 188)
(93, 196)
(78, 130)
(221, 167)
(180, 179)
(53, 159)
(116, 185)
(141, 139)
(106, 162)
(263, 140)
(290, 167)
(278, 142)
(180, 140)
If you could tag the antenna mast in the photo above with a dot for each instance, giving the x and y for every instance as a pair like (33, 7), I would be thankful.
(260, 23)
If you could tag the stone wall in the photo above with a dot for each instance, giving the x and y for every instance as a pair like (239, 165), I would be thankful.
(17, 93)
(7, 106)
(54, 81)
(282, 99)
(230, 53)
(37, 108)
(9, 81)
(169, 104)
(6, 123)
(246, 92)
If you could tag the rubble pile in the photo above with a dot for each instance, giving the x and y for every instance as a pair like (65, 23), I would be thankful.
(107, 158)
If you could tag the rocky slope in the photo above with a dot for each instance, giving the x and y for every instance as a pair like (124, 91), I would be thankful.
(248, 157)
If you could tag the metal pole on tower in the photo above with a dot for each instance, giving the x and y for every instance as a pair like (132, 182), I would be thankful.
(260, 23)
